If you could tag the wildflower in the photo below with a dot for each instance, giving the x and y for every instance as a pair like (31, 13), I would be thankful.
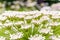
(2, 18)
(55, 16)
(28, 17)
(6, 32)
(2, 38)
(37, 37)
(30, 4)
(56, 6)
(8, 24)
(16, 36)
(45, 18)
(36, 21)
(26, 26)
(54, 23)
(36, 15)
(20, 16)
(47, 8)
(13, 7)
(7, 21)
(19, 22)
(46, 30)
(53, 37)
(1, 24)
(17, 7)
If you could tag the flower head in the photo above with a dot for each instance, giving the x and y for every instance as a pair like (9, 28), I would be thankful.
(37, 37)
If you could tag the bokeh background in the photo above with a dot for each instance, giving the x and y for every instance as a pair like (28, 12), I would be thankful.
(26, 5)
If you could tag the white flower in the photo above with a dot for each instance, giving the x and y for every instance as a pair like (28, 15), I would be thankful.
(55, 37)
(30, 4)
(36, 21)
(2, 38)
(26, 26)
(28, 17)
(17, 7)
(13, 7)
(36, 15)
(2, 17)
(9, 13)
(55, 16)
(8, 24)
(47, 8)
(7, 21)
(6, 32)
(55, 6)
(46, 30)
(44, 18)
(1, 24)
(16, 36)
(37, 37)
(54, 23)
(20, 16)
(19, 22)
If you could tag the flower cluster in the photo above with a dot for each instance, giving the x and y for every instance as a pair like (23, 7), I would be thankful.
(33, 25)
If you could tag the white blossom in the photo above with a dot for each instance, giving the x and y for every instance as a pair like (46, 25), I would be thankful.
(13, 7)
(2, 38)
(36, 15)
(26, 26)
(47, 8)
(2, 18)
(56, 6)
(45, 18)
(29, 17)
(54, 23)
(1, 24)
(16, 36)
(17, 7)
(19, 22)
(53, 37)
(37, 37)
(6, 32)
(30, 4)
(8, 24)
(20, 16)
(7, 21)
(46, 30)
(55, 16)
(36, 21)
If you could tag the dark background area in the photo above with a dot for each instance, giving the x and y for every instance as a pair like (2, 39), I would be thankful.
(49, 1)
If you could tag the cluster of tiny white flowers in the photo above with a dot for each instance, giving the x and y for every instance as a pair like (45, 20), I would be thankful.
(6, 32)
(56, 6)
(2, 38)
(30, 4)
(3, 17)
(53, 37)
(23, 15)
(46, 30)
(24, 25)
(37, 37)
(16, 36)
(54, 23)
